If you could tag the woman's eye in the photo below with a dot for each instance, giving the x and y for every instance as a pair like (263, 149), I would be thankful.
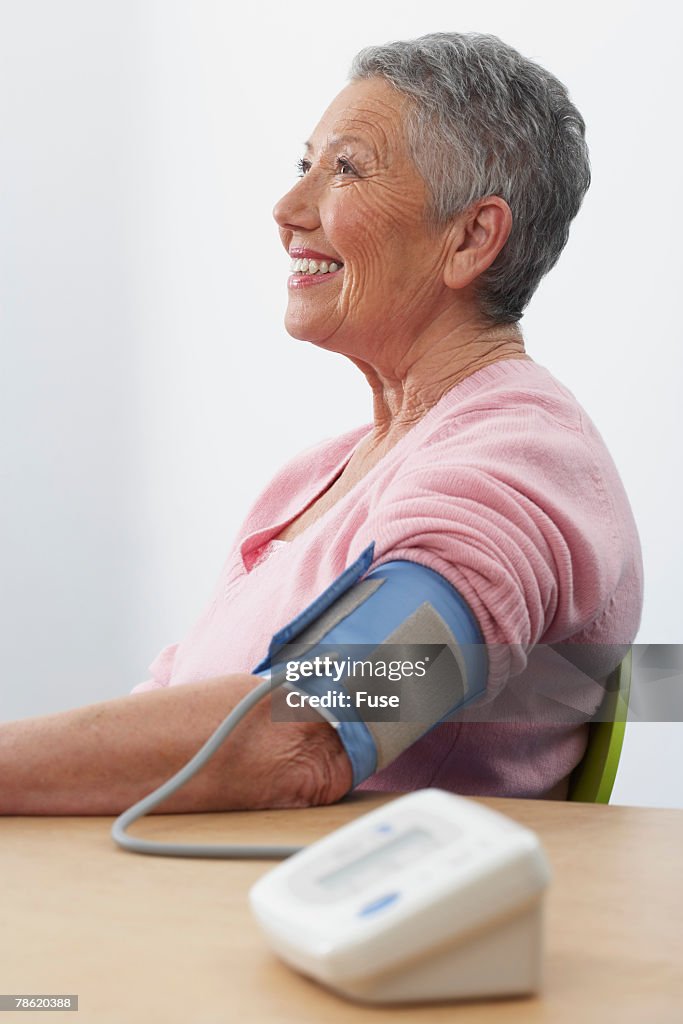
(344, 166)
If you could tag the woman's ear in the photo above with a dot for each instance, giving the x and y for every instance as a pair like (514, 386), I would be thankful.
(477, 236)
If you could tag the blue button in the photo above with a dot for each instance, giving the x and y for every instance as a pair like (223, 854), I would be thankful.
(379, 904)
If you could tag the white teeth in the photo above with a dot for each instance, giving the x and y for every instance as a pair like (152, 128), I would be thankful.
(304, 266)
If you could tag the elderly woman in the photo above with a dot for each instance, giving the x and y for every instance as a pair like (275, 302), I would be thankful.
(434, 194)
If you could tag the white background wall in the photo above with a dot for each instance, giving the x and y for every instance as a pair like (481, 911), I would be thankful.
(148, 388)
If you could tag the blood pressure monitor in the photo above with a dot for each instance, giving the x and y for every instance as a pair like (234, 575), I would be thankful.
(429, 897)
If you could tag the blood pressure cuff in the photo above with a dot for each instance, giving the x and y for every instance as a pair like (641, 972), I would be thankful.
(365, 621)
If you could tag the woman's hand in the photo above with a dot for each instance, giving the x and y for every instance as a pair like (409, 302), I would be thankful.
(102, 758)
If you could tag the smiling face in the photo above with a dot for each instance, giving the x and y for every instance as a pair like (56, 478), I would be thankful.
(360, 202)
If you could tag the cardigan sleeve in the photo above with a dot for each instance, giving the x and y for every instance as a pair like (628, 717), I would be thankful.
(518, 517)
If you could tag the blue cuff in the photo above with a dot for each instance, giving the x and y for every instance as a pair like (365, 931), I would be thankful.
(408, 584)
(360, 749)
(354, 734)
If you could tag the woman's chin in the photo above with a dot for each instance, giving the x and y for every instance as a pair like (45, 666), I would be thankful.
(306, 328)
(298, 331)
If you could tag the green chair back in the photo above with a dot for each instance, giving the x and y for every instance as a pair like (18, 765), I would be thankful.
(592, 780)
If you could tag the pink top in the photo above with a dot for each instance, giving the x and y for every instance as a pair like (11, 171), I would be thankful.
(506, 488)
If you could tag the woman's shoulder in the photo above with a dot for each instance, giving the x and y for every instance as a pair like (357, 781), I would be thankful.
(514, 422)
(509, 391)
(511, 496)
(513, 410)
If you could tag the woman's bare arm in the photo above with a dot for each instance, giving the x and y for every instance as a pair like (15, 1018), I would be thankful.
(102, 758)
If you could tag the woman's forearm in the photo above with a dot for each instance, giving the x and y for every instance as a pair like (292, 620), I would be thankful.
(102, 758)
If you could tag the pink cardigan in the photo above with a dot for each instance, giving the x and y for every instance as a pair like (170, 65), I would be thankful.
(506, 488)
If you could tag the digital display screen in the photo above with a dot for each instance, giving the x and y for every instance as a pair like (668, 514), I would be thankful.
(397, 852)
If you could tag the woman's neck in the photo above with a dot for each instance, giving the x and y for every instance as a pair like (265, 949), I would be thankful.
(403, 393)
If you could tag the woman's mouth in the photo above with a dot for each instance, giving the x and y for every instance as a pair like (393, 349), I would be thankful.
(306, 272)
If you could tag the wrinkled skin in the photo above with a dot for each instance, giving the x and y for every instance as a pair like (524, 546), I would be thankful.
(404, 308)
(364, 202)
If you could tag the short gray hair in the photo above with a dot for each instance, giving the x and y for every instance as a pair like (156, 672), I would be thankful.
(487, 121)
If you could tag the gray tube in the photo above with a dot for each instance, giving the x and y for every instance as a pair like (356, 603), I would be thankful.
(172, 785)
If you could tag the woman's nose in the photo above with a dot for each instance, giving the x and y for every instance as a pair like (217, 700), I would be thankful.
(297, 208)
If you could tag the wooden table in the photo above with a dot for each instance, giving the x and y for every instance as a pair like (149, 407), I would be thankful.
(152, 939)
